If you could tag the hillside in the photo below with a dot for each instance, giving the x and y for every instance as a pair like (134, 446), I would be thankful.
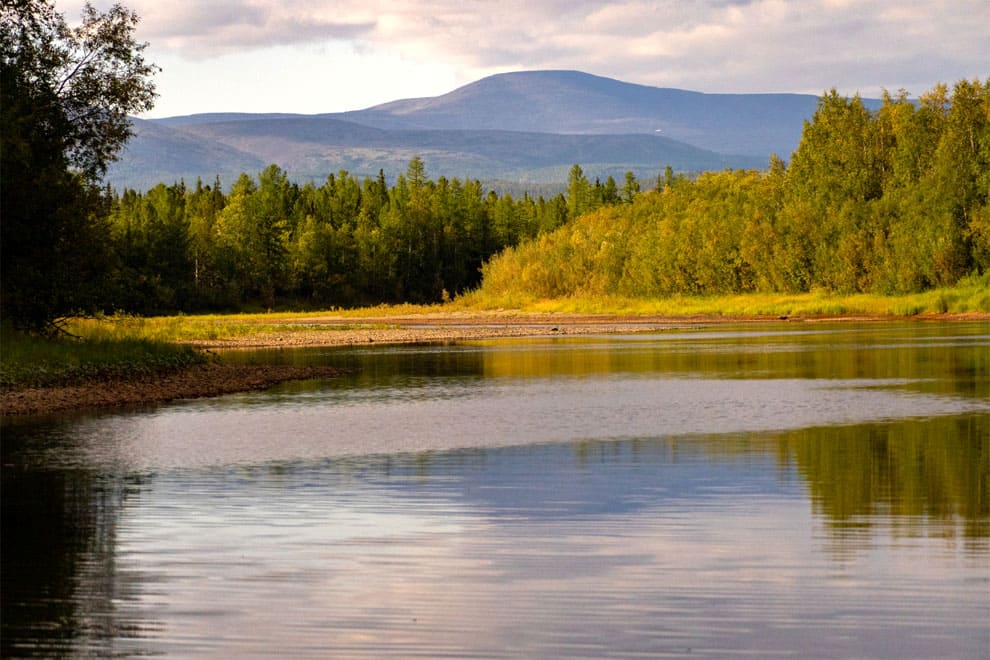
(525, 127)
(315, 146)
(158, 154)
(576, 102)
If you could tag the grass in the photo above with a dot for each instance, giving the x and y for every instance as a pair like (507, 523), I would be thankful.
(970, 295)
(29, 361)
(118, 347)
(182, 328)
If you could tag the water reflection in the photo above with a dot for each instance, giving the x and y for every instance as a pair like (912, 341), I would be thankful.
(438, 414)
(568, 498)
(61, 583)
(918, 477)
(595, 548)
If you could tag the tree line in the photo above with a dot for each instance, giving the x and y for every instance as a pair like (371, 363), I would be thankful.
(269, 241)
(70, 246)
(888, 201)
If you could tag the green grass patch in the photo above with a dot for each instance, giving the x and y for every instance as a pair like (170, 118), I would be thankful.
(200, 328)
(30, 361)
(970, 295)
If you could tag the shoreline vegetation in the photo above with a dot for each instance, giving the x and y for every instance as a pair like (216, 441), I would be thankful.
(122, 360)
(879, 214)
(884, 202)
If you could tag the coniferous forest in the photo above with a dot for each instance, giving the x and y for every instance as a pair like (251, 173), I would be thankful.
(270, 242)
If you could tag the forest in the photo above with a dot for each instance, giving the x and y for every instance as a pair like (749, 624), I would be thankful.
(885, 202)
(269, 242)
(888, 201)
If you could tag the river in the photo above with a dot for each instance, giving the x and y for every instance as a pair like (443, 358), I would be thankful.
(796, 490)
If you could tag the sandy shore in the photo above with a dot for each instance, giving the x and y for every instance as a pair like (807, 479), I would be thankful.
(214, 378)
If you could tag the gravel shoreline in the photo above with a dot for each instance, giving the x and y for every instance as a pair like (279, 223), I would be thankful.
(420, 332)
(216, 378)
(203, 380)
(453, 326)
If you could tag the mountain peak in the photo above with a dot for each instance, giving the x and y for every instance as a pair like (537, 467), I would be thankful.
(575, 102)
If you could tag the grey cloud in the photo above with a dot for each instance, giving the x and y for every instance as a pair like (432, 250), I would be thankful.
(198, 29)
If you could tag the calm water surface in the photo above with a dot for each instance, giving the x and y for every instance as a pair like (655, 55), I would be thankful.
(804, 490)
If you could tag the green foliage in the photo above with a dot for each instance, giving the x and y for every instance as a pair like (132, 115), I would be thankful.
(270, 242)
(31, 361)
(890, 202)
(66, 95)
(579, 192)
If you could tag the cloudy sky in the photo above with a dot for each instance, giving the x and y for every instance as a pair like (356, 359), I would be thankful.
(312, 56)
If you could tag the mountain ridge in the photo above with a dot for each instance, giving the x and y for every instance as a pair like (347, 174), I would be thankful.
(567, 101)
(527, 126)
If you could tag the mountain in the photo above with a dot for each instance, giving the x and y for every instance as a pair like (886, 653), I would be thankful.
(527, 127)
(576, 102)
(159, 154)
(316, 146)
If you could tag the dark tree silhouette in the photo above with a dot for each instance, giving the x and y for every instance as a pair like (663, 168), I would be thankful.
(65, 97)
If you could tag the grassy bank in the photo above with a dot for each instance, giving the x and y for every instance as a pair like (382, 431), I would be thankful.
(971, 295)
(28, 361)
(206, 327)
(124, 347)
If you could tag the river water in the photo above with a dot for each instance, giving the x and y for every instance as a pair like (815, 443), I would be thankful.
(795, 490)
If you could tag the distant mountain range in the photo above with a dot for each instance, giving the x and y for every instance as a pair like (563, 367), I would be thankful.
(527, 127)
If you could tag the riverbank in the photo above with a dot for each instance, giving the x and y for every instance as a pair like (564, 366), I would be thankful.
(199, 381)
(333, 330)
(350, 330)
(214, 378)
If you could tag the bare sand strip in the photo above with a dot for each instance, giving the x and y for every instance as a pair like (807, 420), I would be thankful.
(215, 378)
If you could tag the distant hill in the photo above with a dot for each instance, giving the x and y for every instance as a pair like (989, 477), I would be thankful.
(159, 154)
(316, 146)
(576, 102)
(524, 127)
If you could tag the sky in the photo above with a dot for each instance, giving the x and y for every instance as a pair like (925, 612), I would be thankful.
(315, 56)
